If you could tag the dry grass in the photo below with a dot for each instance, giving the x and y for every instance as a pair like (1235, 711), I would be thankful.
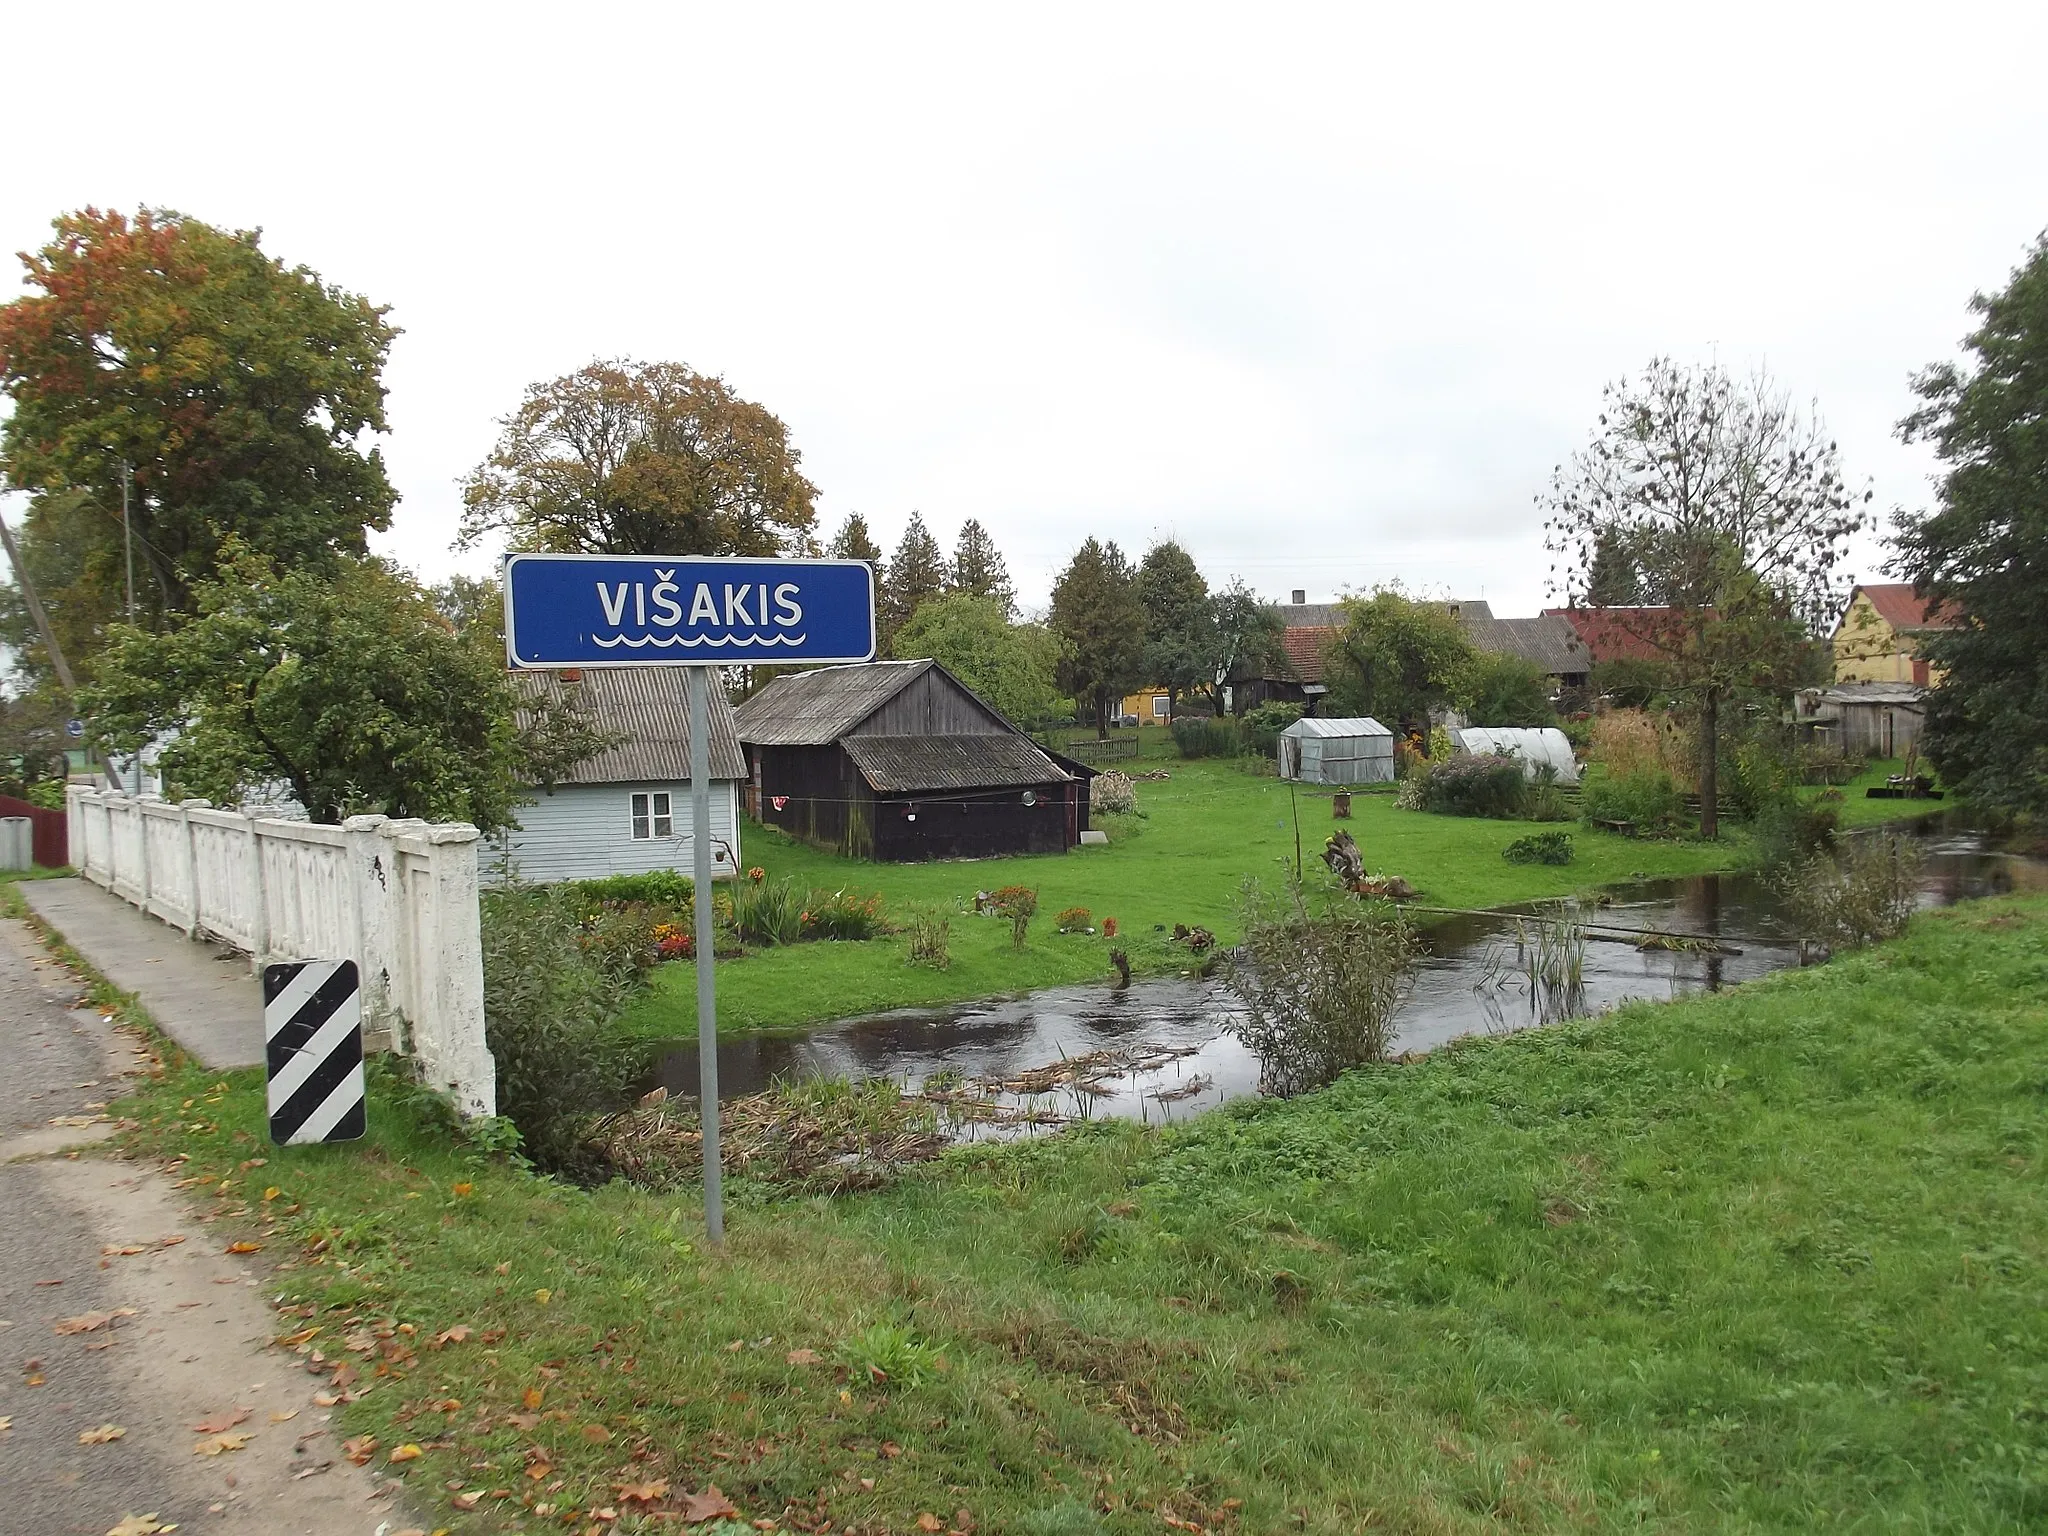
(1628, 742)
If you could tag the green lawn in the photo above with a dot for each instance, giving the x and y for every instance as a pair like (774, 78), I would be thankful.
(1767, 1260)
(1181, 859)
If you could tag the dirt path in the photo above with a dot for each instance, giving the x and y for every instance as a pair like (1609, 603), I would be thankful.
(154, 1341)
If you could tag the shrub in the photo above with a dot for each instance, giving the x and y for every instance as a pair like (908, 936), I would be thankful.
(1546, 801)
(1409, 792)
(1540, 848)
(1647, 799)
(840, 915)
(619, 936)
(1112, 793)
(1319, 993)
(1476, 785)
(1262, 727)
(672, 942)
(768, 913)
(1507, 690)
(1203, 736)
(1790, 828)
(1816, 763)
(1019, 903)
(662, 887)
(549, 1005)
(931, 935)
(1408, 759)
(1864, 894)
(1109, 927)
(1073, 920)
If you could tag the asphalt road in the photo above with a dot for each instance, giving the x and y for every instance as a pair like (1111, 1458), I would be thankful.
(195, 1345)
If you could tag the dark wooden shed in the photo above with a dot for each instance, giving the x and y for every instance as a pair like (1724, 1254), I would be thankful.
(900, 761)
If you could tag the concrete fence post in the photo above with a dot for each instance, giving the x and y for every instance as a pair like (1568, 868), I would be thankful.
(259, 899)
(369, 882)
(191, 841)
(466, 1069)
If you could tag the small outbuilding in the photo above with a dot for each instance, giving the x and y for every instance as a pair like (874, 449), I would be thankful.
(1343, 752)
(1864, 719)
(625, 810)
(1535, 748)
(901, 761)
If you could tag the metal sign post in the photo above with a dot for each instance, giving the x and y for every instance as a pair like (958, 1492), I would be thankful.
(694, 613)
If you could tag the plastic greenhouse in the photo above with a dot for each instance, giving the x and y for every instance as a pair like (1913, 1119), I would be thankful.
(1337, 752)
(1535, 748)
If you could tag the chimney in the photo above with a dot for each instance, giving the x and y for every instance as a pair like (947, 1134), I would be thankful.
(1300, 596)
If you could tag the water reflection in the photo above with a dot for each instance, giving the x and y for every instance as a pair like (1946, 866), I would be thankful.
(1473, 978)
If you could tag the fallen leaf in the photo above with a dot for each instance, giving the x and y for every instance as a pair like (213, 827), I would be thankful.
(172, 1241)
(359, 1449)
(463, 1187)
(927, 1521)
(539, 1470)
(140, 1525)
(803, 1357)
(215, 1444)
(505, 1268)
(122, 1250)
(292, 1340)
(708, 1505)
(226, 1419)
(735, 1346)
(891, 1449)
(245, 1247)
(643, 1493)
(281, 1415)
(104, 1435)
(33, 1379)
(543, 1295)
(456, 1335)
(6, 1423)
(532, 1396)
(406, 1452)
(329, 1399)
(87, 1322)
(467, 1501)
(448, 1405)
(596, 1434)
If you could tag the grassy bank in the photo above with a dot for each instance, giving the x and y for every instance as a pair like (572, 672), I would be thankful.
(1771, 1259)
(1180, 860)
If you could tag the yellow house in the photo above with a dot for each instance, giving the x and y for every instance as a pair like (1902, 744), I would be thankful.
(1150, 705)
(1878, 638)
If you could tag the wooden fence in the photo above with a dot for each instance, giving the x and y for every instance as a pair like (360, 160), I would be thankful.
(52, 834)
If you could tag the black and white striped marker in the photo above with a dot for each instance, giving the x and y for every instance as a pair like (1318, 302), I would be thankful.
(313, 1031)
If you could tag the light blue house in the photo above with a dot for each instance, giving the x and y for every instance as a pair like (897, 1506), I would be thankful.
(626, 810)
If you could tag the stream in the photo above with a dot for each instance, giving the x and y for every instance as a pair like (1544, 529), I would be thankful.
(1176, 1060)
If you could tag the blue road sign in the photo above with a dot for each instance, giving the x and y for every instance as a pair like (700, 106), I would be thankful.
(74, 728)
(674, 610)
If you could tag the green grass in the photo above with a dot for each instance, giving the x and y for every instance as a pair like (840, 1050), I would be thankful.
(1768, 1260)
(1180, 859)
(1859, 810)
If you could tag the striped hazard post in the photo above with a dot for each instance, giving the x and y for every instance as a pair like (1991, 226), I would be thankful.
(313, 1031)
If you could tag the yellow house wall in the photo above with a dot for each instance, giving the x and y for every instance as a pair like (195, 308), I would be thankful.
(1869, 650)
(1140, 704)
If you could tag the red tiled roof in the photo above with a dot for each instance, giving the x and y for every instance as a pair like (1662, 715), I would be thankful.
(1304, 647)
(1899, 606)
(1637, 633)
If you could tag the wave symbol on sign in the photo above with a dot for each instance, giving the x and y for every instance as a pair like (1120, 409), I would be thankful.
(739, 642)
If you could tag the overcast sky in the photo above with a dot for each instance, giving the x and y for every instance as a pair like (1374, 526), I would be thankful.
(1323, 292)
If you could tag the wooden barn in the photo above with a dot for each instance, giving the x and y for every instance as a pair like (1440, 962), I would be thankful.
(900, 761)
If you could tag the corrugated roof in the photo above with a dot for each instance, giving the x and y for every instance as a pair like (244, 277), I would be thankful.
(899, 764)
(1905, 610)
(1871, 693)
(1549, 642)
(1311, 615)
(650, 707)
(810, 709)
(1362, 725)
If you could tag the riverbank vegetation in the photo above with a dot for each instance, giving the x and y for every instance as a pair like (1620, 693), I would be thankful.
(1768, 1259)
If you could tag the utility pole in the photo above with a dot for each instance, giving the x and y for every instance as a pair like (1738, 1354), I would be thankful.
(127, 540)
(42, 618)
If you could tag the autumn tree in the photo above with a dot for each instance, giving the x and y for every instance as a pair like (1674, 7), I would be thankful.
(1247, 637)
(916, 575)
(1984, 548)
(1011, 666)
(1180, 627)
(237, 392)
(342, 682)
(1099, 620)
(1397, 659)
(978, 568)
(626, 458)
(1731, 506)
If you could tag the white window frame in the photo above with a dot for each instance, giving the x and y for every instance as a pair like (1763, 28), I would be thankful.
(1161, 707)
(650, 815)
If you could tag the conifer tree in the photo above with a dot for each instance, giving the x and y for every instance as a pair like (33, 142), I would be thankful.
(917, 573)
(978, 568)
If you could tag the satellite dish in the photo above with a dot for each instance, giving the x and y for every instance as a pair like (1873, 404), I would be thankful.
(1031, 797)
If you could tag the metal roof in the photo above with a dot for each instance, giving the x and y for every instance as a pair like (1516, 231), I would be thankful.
(1870, 693)
(650, 708)
(1363, 725)
(896, 764)
(1549, 642)
(811, 709)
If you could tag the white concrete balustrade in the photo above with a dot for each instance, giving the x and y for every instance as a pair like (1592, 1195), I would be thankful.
(397, 897)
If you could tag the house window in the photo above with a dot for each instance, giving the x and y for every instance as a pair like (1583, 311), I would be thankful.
(651, 816)
(1160, 706)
